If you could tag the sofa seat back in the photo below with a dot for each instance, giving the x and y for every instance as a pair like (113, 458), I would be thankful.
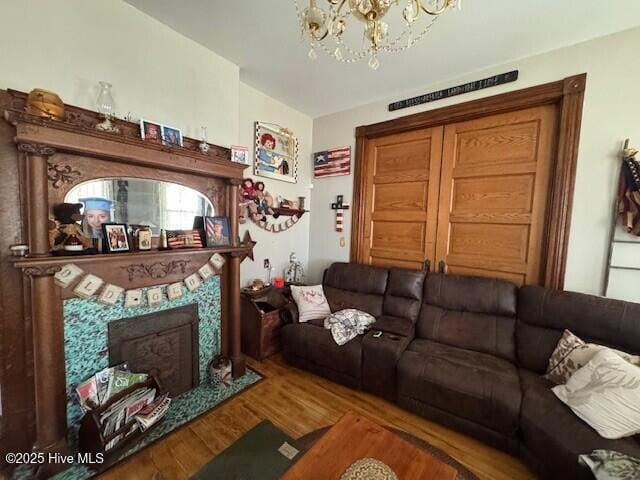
(543, 314)
(473, 313)
(351, 285)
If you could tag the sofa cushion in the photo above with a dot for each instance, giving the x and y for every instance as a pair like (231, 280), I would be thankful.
(316, 345)
(351, 285)
(556, 436)
(476, 386)
(544, 314)
(473, 313)
(394, 325)
(404, 293)
(380, 356)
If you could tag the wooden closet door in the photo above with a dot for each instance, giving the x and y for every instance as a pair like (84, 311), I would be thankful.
(401, 194)
(493, 194)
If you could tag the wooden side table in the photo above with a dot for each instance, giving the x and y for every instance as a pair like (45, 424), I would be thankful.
(260, 316)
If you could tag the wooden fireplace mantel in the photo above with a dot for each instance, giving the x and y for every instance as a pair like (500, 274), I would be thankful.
(55, 156)
(66, 137)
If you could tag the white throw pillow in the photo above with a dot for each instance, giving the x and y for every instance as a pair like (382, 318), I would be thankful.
(311, 302)
(573, 353)
(605, 393)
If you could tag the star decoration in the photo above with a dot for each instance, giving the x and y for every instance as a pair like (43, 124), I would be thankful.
(247, 241)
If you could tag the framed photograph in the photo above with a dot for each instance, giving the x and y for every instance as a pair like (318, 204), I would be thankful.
(171, 136)
(217, 231)
(240, 154)
(276, 153)
(184, 239)
(116, 239)
(151, 131)
(141, 235)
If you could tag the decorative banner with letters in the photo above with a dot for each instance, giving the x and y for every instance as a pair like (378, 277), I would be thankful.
(90, 285)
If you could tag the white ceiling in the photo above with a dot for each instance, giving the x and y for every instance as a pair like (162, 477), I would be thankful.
(262, 37)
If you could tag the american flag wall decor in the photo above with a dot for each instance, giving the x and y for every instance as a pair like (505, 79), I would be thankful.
(332, 163)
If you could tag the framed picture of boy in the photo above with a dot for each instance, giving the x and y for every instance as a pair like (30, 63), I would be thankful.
(276, 153)
(171, 136)
(217, 231)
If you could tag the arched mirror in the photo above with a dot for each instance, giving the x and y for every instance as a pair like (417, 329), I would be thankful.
(135, 201)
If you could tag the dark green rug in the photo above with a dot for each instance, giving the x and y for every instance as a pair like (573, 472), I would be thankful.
(256, 456)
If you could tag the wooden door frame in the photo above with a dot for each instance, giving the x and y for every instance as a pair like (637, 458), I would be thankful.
(567, 94)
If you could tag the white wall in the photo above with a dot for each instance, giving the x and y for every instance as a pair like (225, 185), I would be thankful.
(156, 72)
(611, 113)
(256, 106)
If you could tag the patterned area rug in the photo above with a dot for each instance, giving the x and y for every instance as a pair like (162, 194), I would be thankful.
(259, 455)
(463, 472)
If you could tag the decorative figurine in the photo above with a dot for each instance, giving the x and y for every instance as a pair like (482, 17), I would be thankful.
(65, 233)
(295, 271)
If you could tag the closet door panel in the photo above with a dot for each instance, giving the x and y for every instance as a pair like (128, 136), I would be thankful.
(402, 187)
(493, 194)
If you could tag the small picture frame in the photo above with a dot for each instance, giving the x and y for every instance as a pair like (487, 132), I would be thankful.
(116, 239)
(141, 235)
(217, 231)
(240, 154)
(171, 136)
(150, 131)
(184, 239)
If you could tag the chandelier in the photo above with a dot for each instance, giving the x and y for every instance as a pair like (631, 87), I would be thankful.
(326, 26)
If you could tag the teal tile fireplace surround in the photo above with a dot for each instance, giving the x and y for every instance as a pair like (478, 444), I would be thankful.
(86, 352)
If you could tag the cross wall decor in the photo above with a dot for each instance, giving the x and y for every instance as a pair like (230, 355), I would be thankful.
(339, 206)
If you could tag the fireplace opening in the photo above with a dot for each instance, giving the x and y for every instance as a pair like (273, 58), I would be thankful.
(164, 344)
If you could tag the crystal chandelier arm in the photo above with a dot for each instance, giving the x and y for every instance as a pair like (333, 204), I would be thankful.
(438, 11)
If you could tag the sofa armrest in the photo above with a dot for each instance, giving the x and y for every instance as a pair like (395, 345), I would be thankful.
(289, 313)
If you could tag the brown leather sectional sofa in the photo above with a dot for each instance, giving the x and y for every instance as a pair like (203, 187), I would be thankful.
(469, 353)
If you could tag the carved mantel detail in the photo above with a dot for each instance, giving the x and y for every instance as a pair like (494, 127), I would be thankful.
(44, 271)
(61, 174)
(156, 270)
(37, 149)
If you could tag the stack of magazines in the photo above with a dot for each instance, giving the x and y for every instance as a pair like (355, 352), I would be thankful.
(97, 390)
(142, 407)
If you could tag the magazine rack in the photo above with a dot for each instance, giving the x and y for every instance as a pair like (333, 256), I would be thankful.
(91, 438)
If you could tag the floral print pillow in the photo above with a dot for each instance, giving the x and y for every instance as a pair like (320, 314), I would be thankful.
(311, 303)
(572, 353)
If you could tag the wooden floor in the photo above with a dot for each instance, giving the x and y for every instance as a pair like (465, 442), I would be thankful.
(298, 403)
